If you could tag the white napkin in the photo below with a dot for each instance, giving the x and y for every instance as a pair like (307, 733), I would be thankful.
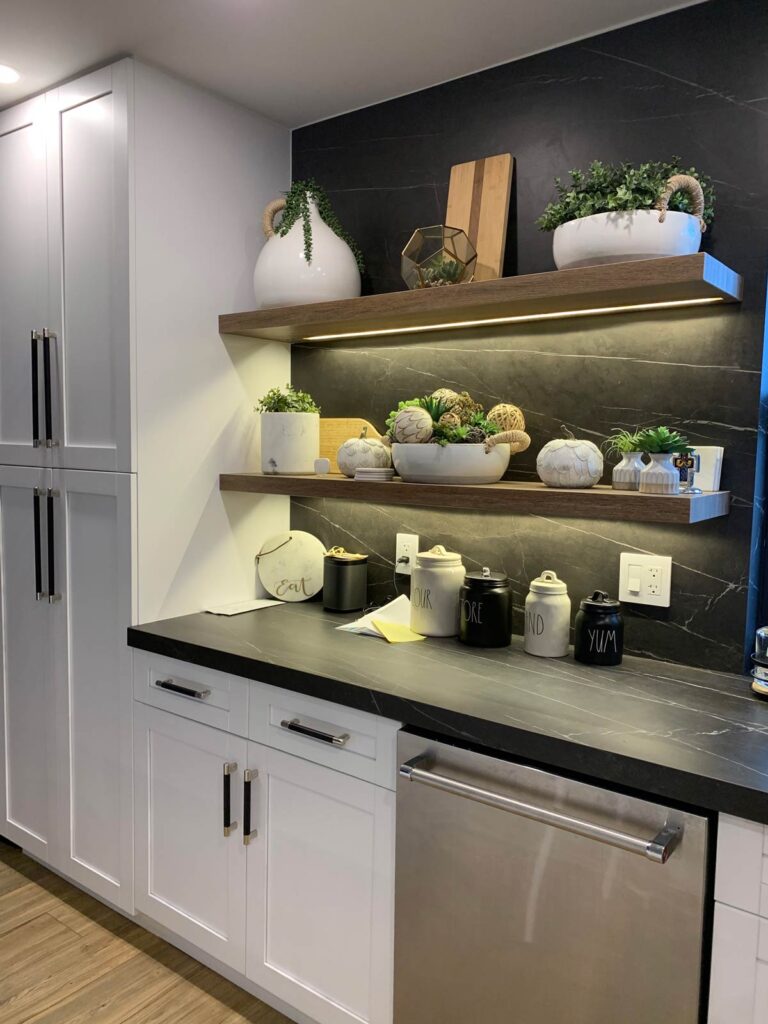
(242, 606)
(397, 611)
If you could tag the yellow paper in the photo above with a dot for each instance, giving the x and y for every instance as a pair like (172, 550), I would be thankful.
(395, 633)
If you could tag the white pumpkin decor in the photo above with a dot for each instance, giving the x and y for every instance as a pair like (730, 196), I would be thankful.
(412, 425)
(363, 453)
(569, 462)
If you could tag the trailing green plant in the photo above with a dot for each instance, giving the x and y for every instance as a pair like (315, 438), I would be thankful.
(656, 440)
(289, 400)
(297, 200)
(622, 441)
(608, 188)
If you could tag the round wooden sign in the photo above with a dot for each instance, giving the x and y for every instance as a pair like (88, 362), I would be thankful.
(290, 565)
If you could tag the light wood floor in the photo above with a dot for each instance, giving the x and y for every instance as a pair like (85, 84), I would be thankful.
(67, 959)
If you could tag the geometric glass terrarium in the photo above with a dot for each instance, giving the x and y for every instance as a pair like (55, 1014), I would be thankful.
(438, 255)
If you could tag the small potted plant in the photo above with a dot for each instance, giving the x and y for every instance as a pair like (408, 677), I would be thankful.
(437, 256)
(661, 445)
(612, 213)
(628, 445)
(290, 431)
(308, 256)
(447, 438)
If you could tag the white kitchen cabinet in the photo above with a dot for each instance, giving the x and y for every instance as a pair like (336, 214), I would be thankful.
(320, 889)
(190, 871)
(28, 691)
(739, 985)
(93, 524)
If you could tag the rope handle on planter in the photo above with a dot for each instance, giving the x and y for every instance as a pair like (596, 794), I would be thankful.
(682, 183)
(518, 440)
(271, 210)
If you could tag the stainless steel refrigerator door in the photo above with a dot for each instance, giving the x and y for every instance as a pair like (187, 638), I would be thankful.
(501, 919)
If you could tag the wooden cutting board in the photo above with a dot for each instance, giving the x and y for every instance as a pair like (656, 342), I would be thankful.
(334, 432)
(478, 203)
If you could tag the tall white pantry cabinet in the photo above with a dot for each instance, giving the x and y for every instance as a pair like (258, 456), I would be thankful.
(129, 213)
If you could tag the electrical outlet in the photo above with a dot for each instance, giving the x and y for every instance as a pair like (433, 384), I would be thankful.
(645, 579)
(406, 549)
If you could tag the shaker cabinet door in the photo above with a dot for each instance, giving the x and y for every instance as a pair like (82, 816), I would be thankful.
(23, 281)
(190, 874)
(320, 889)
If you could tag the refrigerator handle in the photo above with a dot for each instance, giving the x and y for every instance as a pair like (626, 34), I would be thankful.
(658, 849)
(51, 528)
(34, 338)
(38, 493)
(48, 336)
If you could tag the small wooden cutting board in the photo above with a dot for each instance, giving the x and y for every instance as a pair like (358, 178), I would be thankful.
(334, 432)
(478, 203)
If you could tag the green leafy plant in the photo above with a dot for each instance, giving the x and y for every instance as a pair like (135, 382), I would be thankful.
(290, 400)
(662, 440)
(468, 427)
(607, 188)
(297, 200)
(622, 441)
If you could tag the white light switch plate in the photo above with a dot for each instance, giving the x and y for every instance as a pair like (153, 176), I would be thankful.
(645, 579)
(406, 546)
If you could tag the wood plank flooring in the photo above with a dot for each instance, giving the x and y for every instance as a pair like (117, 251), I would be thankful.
(67, 959)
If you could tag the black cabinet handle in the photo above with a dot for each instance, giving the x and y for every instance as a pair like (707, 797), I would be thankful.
(39, 594)
(294, 725)
(229, 769)
(48, 399)
(51, 529)
(35, 396)
(199, 692)
(248, 776)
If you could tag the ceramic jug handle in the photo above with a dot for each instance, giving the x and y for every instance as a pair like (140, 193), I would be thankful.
(270, 212)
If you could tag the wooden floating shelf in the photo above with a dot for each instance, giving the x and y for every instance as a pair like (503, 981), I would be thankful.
(586, 291)
(593, 503)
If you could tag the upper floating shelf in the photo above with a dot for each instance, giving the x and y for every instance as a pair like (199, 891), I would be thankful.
(587, 291)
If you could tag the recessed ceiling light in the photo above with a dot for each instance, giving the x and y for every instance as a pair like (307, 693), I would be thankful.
(8, 75)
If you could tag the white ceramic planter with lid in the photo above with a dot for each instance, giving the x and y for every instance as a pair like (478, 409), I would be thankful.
(435, 584)
(547, 617)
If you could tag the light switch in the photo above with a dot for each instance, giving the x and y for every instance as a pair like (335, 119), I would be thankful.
(645, 579)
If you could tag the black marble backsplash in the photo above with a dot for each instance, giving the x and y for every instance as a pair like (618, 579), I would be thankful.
(693, 83)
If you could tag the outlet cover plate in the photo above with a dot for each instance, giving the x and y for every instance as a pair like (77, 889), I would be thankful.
(406, 546)
(645, 579)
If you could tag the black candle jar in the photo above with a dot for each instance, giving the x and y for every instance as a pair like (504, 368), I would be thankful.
(599, 631)
(345, 581)
(485, 609)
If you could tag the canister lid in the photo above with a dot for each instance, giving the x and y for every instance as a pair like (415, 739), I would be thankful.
(341, 557)
(599, 601)
(548, 583)
(437, 557)
(486, 578)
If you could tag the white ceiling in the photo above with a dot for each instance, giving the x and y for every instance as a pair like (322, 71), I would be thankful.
(297, 61)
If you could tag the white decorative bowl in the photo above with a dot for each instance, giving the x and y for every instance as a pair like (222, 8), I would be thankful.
(450, 464)
(620, 237)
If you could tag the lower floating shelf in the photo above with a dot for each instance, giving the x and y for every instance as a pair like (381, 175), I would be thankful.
(591, 503)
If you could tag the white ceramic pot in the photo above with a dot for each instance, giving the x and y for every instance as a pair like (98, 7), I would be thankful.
(623, 236)
(626, 474)
(547, 617)
(435, 589)
(660, 475)
(451, 463)
(284, 278)
(290, 442)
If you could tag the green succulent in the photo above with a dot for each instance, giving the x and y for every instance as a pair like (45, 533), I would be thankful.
(622, 441)
(442, 271)
(289, 400)
(436, 407)
(655, 440)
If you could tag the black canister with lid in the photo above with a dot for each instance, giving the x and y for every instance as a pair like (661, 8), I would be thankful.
(599, 631)
(345, 581)
(485, 609)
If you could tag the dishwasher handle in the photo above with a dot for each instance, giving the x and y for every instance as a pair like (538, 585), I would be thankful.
(658, 849)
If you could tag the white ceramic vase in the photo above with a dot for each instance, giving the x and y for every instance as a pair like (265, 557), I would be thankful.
(290, 442)
(626, 474)
(623, 236)
(284, 278)
(451, 463)
(660, 475)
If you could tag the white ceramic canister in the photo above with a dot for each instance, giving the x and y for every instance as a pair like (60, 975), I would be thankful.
(547, 617)
(435, 584)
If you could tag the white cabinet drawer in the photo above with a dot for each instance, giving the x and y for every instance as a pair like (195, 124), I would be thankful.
(213, 698)
(741, 872)
(739, 985)
(350, 741)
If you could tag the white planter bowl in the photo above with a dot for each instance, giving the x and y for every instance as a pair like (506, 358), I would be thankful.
(290, 442)
(450, 464)
(620, 237)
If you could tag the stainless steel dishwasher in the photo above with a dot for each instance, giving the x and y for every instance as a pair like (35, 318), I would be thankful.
(526, 898)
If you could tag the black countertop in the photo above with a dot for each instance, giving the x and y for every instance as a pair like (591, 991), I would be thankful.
(678, 733)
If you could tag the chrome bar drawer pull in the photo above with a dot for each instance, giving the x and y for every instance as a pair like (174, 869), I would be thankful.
(249, 775)
(229, 769)
(187, 690)
(658, 849)
(294, 725)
